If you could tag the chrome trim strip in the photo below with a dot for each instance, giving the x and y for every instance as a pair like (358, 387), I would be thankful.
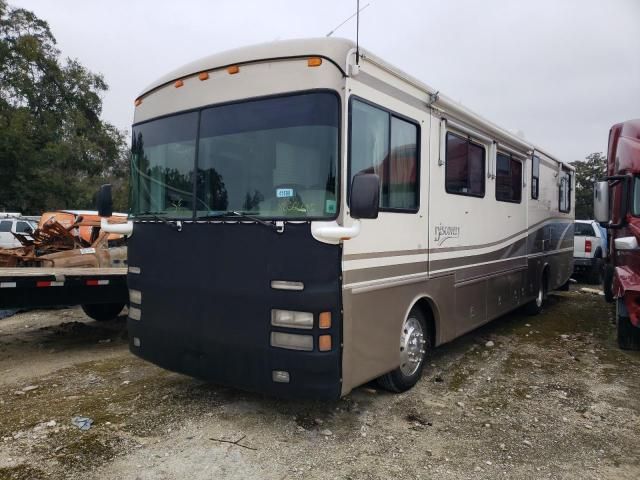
(491, 275)
(391, 253)
(370, 286)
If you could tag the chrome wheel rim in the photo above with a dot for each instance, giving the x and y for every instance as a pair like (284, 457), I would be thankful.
(412, 343)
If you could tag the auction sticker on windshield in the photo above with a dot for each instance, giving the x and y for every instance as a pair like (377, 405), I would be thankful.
(284, 192)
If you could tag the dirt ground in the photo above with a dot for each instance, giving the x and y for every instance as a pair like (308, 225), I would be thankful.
(552, 398)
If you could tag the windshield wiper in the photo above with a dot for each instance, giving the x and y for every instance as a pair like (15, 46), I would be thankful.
(176, 224)
(231, 213)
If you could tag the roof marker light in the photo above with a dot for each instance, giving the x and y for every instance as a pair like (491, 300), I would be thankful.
(233, 69)
(138, 102)
(178, 84)
(314, 62)
(203, 76)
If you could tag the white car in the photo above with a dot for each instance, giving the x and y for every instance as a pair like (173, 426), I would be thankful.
(589, 249)
(11, 223)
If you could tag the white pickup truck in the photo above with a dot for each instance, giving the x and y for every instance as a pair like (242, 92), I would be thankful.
(11, 223)
(589, 249)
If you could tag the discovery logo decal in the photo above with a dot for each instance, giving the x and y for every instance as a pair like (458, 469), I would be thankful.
(445, 232)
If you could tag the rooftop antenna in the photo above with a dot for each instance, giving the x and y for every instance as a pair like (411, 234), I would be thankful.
(357, 14)
(357, 32)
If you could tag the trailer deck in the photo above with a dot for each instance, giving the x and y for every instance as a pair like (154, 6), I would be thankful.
(45, 287)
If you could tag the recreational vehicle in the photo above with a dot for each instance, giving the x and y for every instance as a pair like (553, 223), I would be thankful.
(307, 218)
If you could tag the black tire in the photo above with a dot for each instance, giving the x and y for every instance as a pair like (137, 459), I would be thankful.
(397, 380)
(628, 335)
(101, 312)
(607, 282)
(535, 306)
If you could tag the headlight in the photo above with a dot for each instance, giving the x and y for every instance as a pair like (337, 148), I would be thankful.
(292, 341)
(291, 319)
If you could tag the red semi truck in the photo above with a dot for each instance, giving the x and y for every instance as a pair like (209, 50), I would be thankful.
(617, 206)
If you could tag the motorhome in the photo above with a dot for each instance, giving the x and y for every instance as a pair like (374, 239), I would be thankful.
(306, 218)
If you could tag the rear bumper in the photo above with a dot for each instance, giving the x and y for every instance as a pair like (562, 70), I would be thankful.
(581, 264)
(248, 367)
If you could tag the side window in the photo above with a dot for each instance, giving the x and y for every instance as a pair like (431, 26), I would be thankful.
(386, 145)
(508, 179)
(22, 227)
(464, 166)
(535, 177)
(5, 226)
(564, 203)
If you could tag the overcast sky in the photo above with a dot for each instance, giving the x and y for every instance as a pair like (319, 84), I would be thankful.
(561, 71)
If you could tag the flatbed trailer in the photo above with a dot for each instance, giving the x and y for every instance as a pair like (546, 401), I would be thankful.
(102, 292)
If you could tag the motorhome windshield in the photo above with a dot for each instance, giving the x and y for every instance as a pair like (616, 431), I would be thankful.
(272, 158)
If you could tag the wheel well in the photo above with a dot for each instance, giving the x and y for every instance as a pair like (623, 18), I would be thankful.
(428, 309)
(544, 278)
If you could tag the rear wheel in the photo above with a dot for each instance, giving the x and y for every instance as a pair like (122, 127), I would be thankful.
(102, 312)
(628, 334)
(415, 344)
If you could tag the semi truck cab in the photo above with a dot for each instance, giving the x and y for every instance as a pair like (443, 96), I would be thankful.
(617, 207)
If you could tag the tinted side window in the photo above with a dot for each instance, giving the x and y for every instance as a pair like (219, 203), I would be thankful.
(22, 227)
(403, 166)
(583, 230)
(565, 192)
(535, 177)
(508, 179)
(386, 145)
(464, 167)
(5, 225)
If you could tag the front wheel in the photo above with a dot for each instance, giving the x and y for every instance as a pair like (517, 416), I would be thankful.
(415, 344)
(102, 312)
(628, 334)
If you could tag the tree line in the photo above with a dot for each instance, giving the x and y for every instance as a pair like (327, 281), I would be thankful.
(55, 150)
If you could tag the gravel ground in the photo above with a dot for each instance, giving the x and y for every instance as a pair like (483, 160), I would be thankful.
(523, 397)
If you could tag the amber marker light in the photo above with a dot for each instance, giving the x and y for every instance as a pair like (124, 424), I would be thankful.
(324, 343)
(233, 69)
(138, 102)
(178, 83)
(314, 62)
(324, 321)
(203, 76)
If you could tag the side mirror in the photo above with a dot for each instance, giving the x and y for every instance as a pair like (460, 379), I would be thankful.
(104, 201)
(601, 201)
(365, 195)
